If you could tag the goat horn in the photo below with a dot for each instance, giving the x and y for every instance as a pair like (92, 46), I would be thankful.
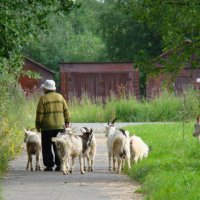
(25, 130)
(86, 129)
(113, 121)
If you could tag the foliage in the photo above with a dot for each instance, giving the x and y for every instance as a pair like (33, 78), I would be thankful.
(126, 38)
(71, 38)
(16, 113)
(171, 170)
(177, 23)
(21, 21)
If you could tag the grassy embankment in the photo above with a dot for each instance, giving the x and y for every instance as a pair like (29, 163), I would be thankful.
(172, 169)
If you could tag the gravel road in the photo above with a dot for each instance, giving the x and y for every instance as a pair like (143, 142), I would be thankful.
(103, 185)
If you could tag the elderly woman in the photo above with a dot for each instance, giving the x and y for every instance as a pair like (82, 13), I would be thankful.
(51, 117)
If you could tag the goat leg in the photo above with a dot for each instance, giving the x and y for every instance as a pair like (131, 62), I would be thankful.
(73, 165)
(27, 166)
(114, 163)
(109, 160)
(81, 164)
(37, 168)
(84, 163)
(31, 162)
(92, 164)
(119, 165)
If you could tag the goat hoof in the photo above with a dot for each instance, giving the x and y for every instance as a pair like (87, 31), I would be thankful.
(64, 173)
(89, 169)
(37, 169)
(70, 171)
(31, 169)
(118, 172)
(82, 172)
(85, 168)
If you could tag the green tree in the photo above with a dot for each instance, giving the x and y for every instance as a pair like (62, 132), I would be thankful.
(178, 24)
(21, 21)
(71, 38)
(127, 38)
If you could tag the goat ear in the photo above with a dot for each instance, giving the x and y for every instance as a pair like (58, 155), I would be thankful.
(127, 133)
(91, 130)
(83, 130)
(105, 125)
(54, 139)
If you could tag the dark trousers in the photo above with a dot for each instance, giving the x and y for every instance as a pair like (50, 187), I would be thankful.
(49, 158)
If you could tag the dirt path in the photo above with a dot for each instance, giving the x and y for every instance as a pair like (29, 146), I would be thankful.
(100, 184)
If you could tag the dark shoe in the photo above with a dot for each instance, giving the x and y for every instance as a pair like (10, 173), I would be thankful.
(57, 169)
(48, 169)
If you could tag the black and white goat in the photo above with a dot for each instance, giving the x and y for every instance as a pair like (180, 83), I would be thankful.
(90, 151)
(71, 146)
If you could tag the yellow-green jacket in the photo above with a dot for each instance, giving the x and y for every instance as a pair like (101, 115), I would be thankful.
(52, 112)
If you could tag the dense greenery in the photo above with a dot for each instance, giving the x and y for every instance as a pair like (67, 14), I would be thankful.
(120, 30)
(20, 21)
(171, 170)
(70, 38)
(97, 31)
(126, 38)
(19, 114)
(177, 23)
(167, 107)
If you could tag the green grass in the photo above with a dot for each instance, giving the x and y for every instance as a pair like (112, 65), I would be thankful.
(166, 107)
(172, 169)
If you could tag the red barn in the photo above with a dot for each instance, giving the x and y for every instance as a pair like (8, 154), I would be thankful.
(98, 79)
(188, 76)
(29, 84)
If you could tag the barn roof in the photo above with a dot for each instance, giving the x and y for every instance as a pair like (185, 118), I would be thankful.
(178, 51)
(96, 67)
(40, 65)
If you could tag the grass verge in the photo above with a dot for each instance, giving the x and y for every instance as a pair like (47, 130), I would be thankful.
(172, 169)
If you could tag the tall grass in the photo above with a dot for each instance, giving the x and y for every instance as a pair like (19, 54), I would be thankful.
(166, 107)
(171, 170)
(16, 113)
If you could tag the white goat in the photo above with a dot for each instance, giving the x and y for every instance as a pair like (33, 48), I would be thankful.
(138, 149)
(70, 145)
(118, 145)
(33, 147)
(196, 132)
(90, 152)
